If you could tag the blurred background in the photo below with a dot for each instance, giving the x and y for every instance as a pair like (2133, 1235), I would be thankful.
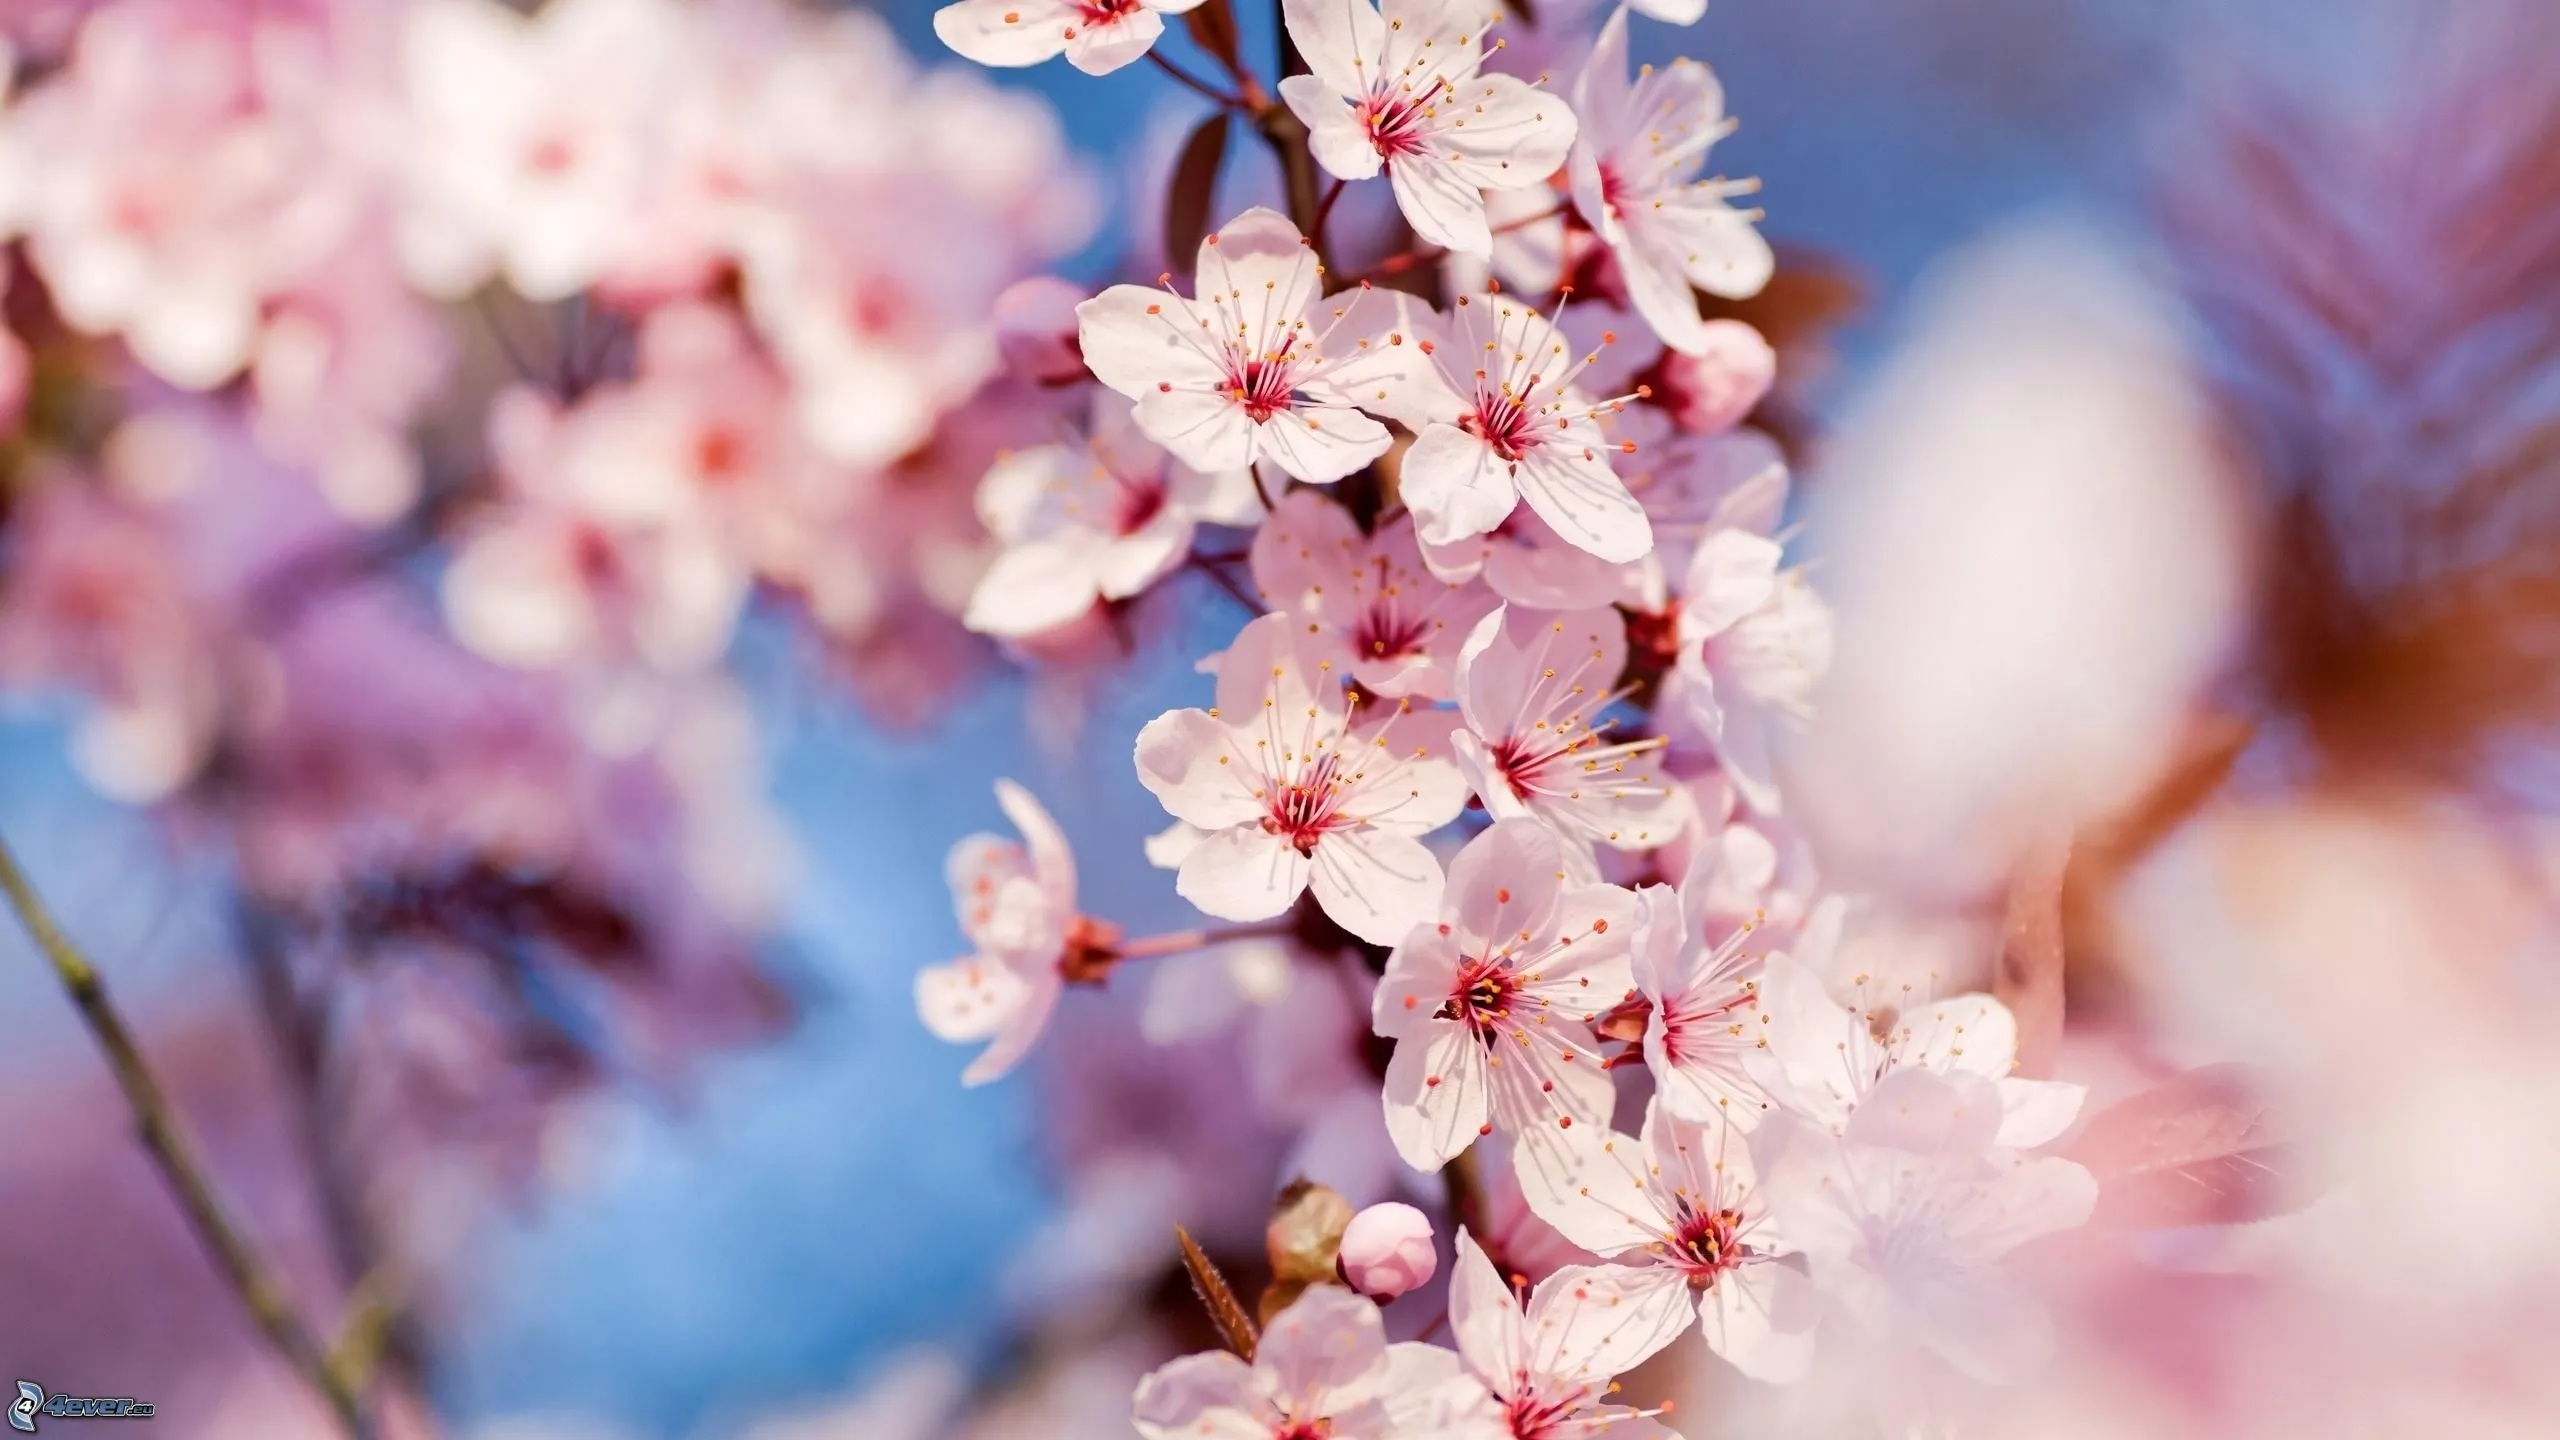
(758, 1192)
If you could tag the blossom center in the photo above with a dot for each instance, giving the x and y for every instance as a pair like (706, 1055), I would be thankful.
(1301, 810)
(1482, 996)
(1535, 1418)
(1105, 12)
(1380, 631)
(1705, 1243)
(1394, 120)
(1520, 763)
(1260, 383)
(1321, 1429)
(1501, 420)
(1141, 500)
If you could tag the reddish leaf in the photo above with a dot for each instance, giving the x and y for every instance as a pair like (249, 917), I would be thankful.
(2200, 1148)
(1195, 181)
(1213, 29)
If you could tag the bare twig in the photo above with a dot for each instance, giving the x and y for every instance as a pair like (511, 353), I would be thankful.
(174, 1152)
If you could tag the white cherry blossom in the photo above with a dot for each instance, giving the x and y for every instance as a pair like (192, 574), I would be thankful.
(1397, 88)
(1754, 640)
(1101, 518)
(1907, 1215)
(1322, 1371)
(1402, 624)
(1824, 1059)
(1529, 685)
(1298, 789)
(1507, 424)
(1096, 36)
(1707, 1026)
(1017, 906)
(1550, 1368)
(1635, 167)
(1491, 1007)
(1682, 1207)
(1262, 365)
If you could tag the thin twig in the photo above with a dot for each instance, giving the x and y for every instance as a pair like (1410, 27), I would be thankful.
(1227, 582)
(165, 1137)
(1208, 91)
(1149, 947)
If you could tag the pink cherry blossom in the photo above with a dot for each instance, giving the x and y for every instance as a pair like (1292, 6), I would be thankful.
(1096, 36)
(1491, 1007)
(1754, 640)
(1712, 390)
(1386, 1251)
(1907, 1215)
(1507, 424)
(1682, 1207)
(531, 145)
(180, 170)
(1707, 1024)
(1824, 1060)
(551, 577)
(1692, 487)
(1017, 906)
(1549, 1365)
(1402, 625)
(1524, 561)
(1634, 179)
(1399, 90)
(1298, 789)
(1100, 519)
(1323, 1371)
(1240, 374)
(1530, 685)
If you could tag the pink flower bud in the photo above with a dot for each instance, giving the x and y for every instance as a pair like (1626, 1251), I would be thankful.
(1713, 391)
(1387, 1251)
(1036, 330)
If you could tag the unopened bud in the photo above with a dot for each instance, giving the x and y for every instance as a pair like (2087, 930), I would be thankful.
(1387, 1250)
(1713, 390)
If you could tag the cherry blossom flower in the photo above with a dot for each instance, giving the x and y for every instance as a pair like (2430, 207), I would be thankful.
(1096, 36)
(1298, 790)
(1707, 1024)
(1906, 1215)
(1017, 905)
(1402, 624)
(179, 171)
(1100, 520)
(1549, 1367)
(1323, 1371)
(1401, 92)
(1529, 684)
(550, 577)
(1711, 391)
(1692, 487)
(1237, 375)
(1490, 1008)
(1753, 643)
(532, 147)
(1634, 179)
(1824, 1060)
(1682, 1207)
(1509, 425)
(1670, 12)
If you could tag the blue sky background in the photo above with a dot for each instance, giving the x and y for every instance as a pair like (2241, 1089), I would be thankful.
(837, 1196)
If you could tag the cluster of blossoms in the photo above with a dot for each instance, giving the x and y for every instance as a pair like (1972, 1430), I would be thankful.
(411, 403)
(1500, 748)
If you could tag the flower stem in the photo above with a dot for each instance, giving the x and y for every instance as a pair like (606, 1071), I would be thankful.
(174, 1152)
(1208, 91)
(1177, 942)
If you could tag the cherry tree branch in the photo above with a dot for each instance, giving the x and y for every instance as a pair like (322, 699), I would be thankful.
(165, 1137)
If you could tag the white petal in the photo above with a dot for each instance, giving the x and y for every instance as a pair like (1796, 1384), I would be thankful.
(1455, 485)
(1377, 884)
(1437, 1097)
(1243, 873)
